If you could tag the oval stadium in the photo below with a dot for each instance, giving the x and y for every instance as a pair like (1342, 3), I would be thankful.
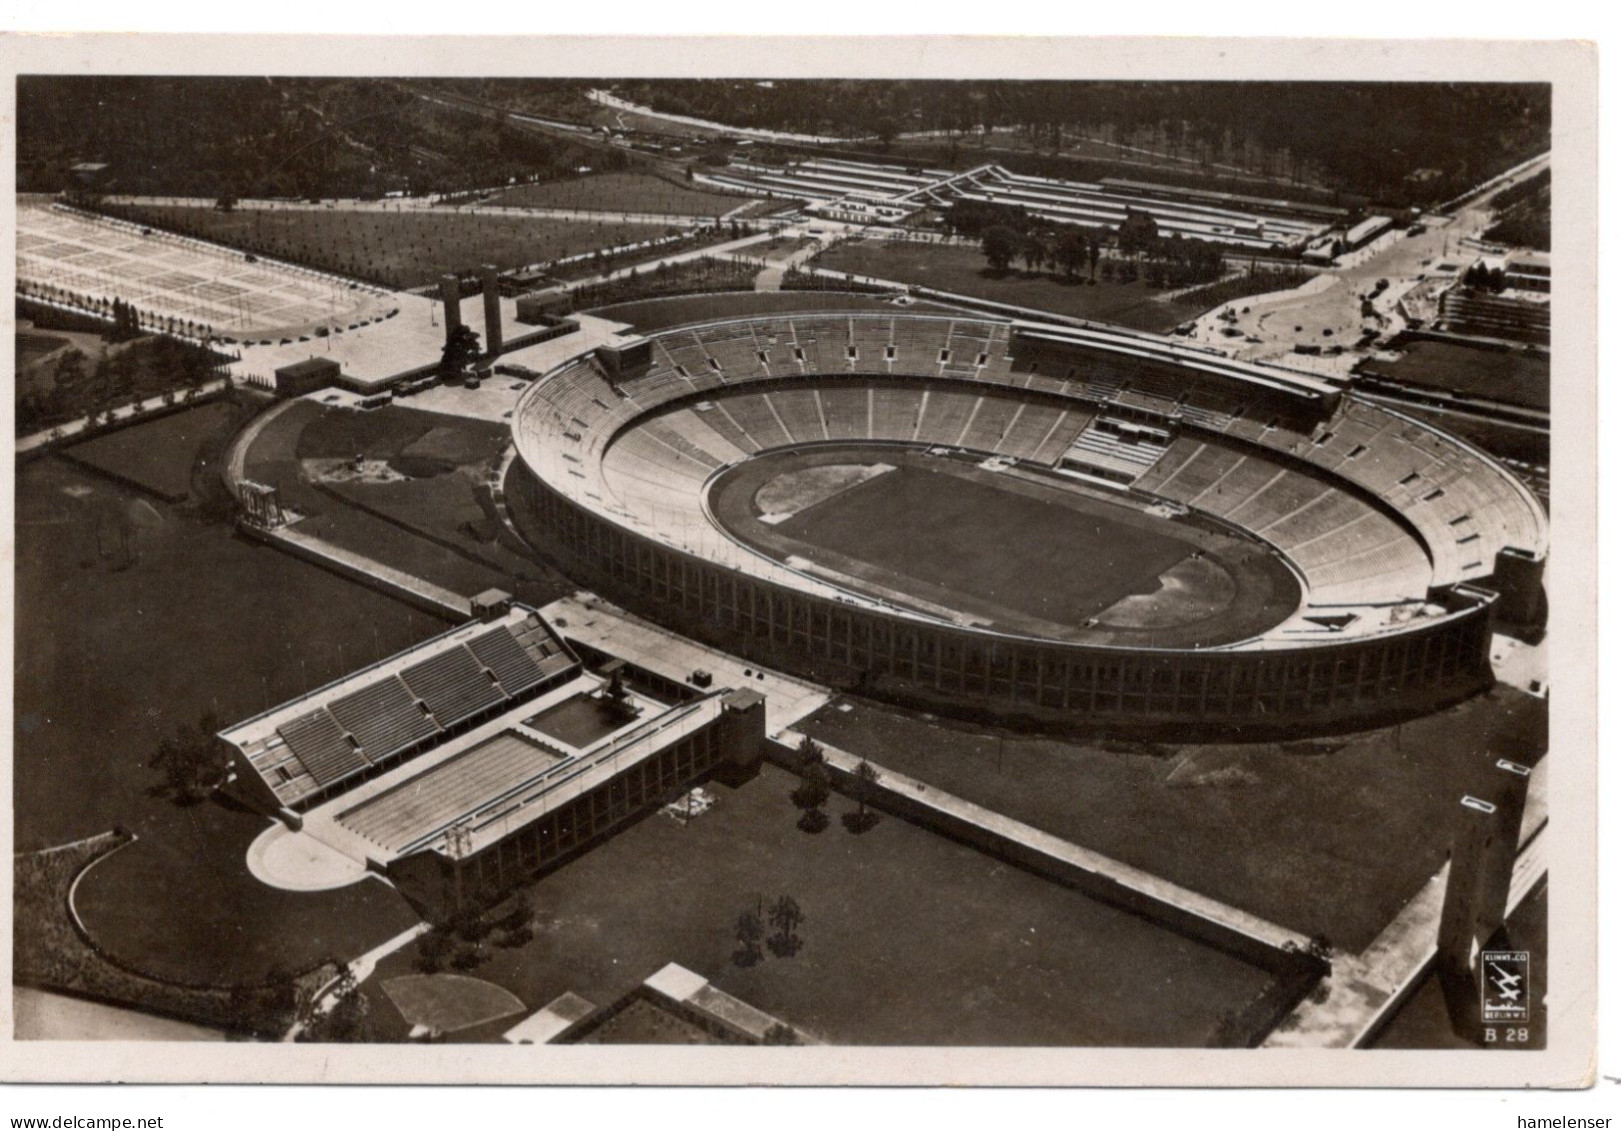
(1029, 522)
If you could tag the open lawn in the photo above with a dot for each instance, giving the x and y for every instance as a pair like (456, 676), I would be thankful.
(158, 455)
(32, 347)
(621, 192)
(1512, 376)
(962, 270)
(396, 249)
(426, 519)
(1333, 842)
(907, 938)
(133, 619)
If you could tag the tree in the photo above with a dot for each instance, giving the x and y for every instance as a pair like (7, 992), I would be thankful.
(348, 1018)
(1034, 250)
(190, 761)
(786, 917)
(434, 950)
(863, 786)
(815, 786)
(749, 932)
(1137, 232)
(1071, 253)
(999, 244)
(461, 350)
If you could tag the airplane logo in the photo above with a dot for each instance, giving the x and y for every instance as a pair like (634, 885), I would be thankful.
(1504, 985)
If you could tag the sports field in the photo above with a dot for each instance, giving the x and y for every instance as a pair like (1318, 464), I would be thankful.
(1033, 553)
(1331, 837)
(396, 249)
(415, 508)
(1512, 376)
(957, 947)
(621, 192)
(961, 270)
(1042, 557)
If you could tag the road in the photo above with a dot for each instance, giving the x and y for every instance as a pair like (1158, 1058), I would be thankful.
(1330, 314)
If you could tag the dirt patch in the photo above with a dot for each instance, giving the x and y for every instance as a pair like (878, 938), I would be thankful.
(794, 491)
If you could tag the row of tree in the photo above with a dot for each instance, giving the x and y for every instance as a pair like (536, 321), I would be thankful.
(1069, 251)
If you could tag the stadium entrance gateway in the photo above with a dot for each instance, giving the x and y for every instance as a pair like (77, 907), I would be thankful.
(468, 763)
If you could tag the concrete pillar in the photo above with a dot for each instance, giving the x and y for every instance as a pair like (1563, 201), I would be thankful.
(1484, 849)
(450, 293)
(492, 309)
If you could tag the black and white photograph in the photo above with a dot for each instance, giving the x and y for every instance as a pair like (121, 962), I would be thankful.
(1047, 565)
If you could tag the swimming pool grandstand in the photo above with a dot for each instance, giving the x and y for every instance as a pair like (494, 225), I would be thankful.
(1252, 222)
(449, 766)
(1389, 525)
(394, 710)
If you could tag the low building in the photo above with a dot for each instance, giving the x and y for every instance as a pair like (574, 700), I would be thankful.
(541, 308)
(1366, 232)
(855, 210)
(307, 376)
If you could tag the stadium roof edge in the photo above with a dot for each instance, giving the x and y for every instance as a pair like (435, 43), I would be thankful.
(1292, 381)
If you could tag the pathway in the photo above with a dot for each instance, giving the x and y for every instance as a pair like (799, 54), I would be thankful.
(125, 413)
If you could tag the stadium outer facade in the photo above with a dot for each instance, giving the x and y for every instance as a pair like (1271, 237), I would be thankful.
(566, 426)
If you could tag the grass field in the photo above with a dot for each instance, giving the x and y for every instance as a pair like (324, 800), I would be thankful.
(32, 347)
(159, 454)
(1328, 842)
(113, 652)
(429, 524)
(1032, 554)
(908, 938)
(621, 192)
(1511, 376)
(449, 1003)
(1043, 558)
(643, 1023)
(396, 249)
(961, 270)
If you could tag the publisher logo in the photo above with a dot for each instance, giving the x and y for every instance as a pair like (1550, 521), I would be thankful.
(1505, 985)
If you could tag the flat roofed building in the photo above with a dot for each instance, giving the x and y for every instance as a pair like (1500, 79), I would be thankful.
(303, 377)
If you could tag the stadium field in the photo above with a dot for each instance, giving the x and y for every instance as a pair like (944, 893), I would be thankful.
(158, 455)
(990, 544)
(1332, 837)
(961, 270)
(959, 947)
(1019, 554)
(621, 192)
